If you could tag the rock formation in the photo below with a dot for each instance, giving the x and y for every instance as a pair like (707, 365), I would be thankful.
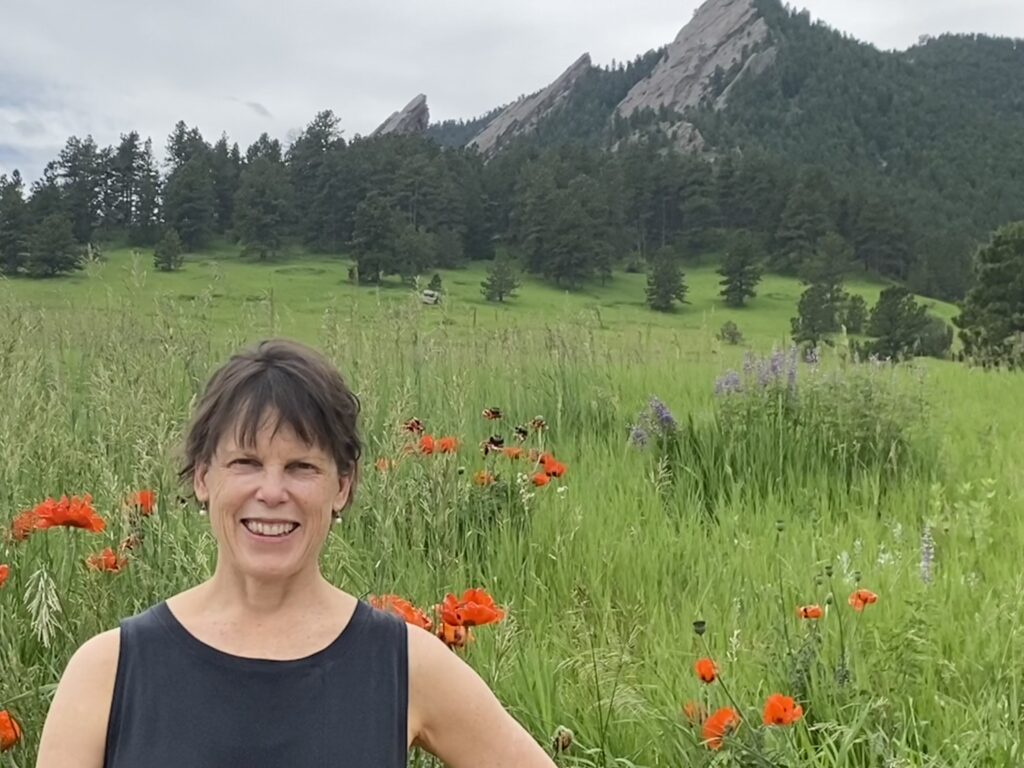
(414, 119)
(523, 115)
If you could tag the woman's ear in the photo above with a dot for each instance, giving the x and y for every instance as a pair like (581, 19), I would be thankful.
(344, 491)
(199, 486)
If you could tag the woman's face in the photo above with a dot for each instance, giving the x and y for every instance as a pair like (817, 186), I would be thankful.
(271, 505)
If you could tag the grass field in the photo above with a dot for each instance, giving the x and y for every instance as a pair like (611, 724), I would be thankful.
(736, 511)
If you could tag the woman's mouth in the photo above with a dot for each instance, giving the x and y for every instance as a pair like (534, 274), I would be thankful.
(270, 530)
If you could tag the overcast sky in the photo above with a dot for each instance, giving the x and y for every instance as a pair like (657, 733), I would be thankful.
(248, 66)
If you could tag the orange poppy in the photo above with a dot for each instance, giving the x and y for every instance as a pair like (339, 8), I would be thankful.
(483, 477)
(144, 501)
(427, 445)
(810, 612)
(454, 636)
(475, 609)
(106, 561)
(718, 726)
(512, 452)
(706, 670)
(403, 608)
(694, 712)
(552, 466)
(10, 731)
(861, 598)
(540, 479)
(23, 525)
(448, 445)
(781, 710)
(69, 513)
(5, 571)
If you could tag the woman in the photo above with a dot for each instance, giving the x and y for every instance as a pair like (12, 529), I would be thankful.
(266, 664)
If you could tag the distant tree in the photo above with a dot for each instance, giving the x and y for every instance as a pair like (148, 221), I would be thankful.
(15, 225)
(263, 207)
(53, 249)
(190, 206)
(435, 283)
(992, 320)
(502, 281)
(740, 272)
(375, 232)
(897, 323)
(666, 283)
(816, 317)
(855, 313)
(167, 256)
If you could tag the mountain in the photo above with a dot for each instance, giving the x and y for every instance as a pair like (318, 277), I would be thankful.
(413, 119)
(935, 131)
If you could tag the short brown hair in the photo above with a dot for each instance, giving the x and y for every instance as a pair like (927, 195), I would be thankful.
(294, 382)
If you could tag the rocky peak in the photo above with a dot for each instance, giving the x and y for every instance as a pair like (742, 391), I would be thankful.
(414, 119)
(726, 35)
(523, 116)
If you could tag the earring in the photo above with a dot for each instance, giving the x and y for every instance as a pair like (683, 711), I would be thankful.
(202, 511)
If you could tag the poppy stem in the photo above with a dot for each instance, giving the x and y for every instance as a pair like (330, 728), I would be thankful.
(842, 637)
(725, 688)
(782, 597)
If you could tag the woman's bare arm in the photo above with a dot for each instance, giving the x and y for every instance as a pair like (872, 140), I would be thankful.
(75, 732)
(457, 718)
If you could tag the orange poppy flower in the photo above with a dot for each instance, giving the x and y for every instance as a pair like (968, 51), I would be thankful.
(861, 598)
(512, 452)
(448, 445)
(23, 525)
(810, 612)
(403, 608)
(5, 571)
(694, 712)
(454, 637)
(144, 501)
(781, 710)
(427, 445)
(553, 467)
(106, 561)
(483, 477)
(540, 479)
(706, 670)
(10, 731)
(718, 726)
(69, 513)
(475, 609)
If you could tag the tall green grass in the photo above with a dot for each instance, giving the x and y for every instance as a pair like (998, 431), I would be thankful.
(602, 581)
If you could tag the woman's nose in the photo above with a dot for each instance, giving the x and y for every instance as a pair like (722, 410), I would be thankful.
(271, 489)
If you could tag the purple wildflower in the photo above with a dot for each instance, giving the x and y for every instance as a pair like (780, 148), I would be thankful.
(663, 417)
(638, 436)
(927, 554)
(729, 384)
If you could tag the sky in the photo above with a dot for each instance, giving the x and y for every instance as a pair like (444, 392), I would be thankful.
(245, 67)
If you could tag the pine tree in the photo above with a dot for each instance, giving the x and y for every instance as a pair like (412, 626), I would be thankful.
(666, 283)
(816, 317)
(502, 281)
(167, 256)
(740, 272)
(375, 231)
(435, 284)
(263, 207)
(992, 319)
(15, 225)
(897, 323)
(53, 249)
(189, 202)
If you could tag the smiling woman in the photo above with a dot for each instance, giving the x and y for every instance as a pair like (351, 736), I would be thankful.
(266, 664)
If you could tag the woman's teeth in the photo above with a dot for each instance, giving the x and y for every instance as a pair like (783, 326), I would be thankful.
(269, 529)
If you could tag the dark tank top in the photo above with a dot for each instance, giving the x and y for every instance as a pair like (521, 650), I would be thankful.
(179, 702)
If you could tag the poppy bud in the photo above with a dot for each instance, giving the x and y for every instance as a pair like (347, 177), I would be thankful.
(780, 525)
(828, 600)
(699, 627)
(856, 577)
(828, 570)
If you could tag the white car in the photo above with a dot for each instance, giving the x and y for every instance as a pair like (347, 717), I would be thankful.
(430, 297)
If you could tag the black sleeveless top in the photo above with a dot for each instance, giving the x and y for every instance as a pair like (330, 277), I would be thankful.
(179, 702)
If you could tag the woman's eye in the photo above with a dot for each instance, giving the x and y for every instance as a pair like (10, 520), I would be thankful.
(303, 466)
(242, 462)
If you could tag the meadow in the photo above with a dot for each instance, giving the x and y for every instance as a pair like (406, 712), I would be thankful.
(709, 492)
